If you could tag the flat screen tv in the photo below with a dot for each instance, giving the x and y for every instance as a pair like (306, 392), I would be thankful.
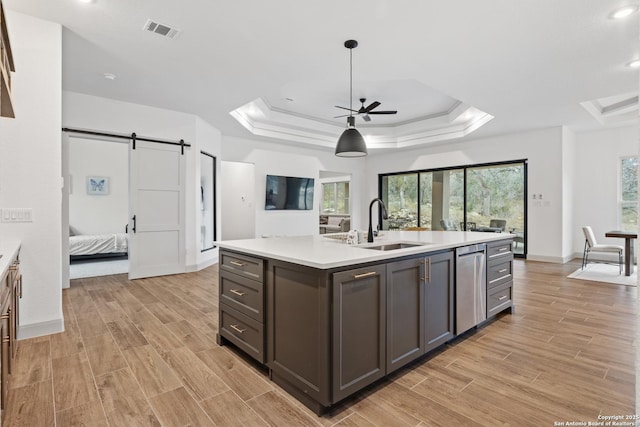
(288, 192)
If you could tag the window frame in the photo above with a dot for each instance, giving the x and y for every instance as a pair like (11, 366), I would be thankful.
(626, 203)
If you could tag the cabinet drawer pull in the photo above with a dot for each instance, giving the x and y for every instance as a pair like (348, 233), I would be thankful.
(502, 271)
(234, 291)
(6, 340)
(360, 276)
(236, 263)
(4, 317)
(237, 329)
(502, 297)
(503, 249)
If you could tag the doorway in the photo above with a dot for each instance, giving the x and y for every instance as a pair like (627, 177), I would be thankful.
(98, 202)
(154, 218)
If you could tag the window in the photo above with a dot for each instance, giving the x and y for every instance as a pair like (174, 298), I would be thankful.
(629, 193)
(335, 197)
(485, 197)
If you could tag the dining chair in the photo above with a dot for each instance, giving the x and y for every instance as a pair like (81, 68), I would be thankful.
(498, 223)
(591, 245)
(447, 225)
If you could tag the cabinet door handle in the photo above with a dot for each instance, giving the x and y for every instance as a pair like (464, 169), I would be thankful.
(502, 271)
(360, 276)
(236, 263)
(237, 292)
(502, 297)
(20, 286)
(134, 224)
(236, 328)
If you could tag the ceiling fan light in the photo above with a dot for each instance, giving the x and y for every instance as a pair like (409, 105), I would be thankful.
(351, 144)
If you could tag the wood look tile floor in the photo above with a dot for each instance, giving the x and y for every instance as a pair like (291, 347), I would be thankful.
(143, 353)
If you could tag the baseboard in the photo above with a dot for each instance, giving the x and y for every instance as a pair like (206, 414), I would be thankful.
(201, 265)
(207, 263)
(545, 258)
(33, 330)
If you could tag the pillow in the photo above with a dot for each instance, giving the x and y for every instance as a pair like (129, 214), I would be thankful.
(324, 219)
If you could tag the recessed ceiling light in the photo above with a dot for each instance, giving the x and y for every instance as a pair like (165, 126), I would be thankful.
(109, 76)
(623, 12)
(634, 64)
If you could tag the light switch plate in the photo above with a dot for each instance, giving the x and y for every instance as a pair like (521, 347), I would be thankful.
(17, 215)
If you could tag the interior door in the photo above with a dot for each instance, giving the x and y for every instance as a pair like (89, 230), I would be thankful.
(156, 210)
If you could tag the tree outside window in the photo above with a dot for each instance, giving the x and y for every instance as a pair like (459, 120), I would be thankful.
(629, 193)
(335, 197)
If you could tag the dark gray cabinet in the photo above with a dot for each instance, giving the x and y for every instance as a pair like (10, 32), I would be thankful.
(359, 307)
(241, 302)
(499, 276)
(405, 312)
(298, 335)
(419, 307)
(439, 296)
(326, 334)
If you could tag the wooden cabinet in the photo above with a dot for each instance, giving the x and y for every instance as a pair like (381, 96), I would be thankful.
(499, 276)
(5, 352)
(439, 300)
(419, 307)
(241, 303)
(405, 312)
(359, 322)
(10, 294)
(325, 334)
(6, 67)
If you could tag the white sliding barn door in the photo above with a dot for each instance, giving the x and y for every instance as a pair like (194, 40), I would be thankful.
(156, 210)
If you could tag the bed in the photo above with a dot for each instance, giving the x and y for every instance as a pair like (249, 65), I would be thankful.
(93, 246)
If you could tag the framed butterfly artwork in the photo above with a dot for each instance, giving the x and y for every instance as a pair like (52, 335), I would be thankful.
(98, 185)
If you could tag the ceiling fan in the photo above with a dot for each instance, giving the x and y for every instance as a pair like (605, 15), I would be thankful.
(365, 111)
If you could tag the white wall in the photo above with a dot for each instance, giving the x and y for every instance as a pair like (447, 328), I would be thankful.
(238, 200)
(543, 149)
(290, 160)
(30, 169)
(596, 182)
(98, 214)
(95, 113)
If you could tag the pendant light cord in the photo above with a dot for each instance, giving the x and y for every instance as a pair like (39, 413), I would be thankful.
(351, 82)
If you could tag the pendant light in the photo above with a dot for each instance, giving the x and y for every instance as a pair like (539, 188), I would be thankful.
(351, 142)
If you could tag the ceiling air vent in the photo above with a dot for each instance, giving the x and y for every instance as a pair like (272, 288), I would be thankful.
(161, 29)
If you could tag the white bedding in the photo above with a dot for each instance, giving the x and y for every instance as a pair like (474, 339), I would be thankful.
(97, 244)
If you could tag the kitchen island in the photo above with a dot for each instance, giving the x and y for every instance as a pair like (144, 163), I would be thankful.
(328, 319)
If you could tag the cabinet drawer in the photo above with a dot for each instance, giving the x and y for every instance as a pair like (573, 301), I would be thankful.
(499, 298)
(496, 250)
(499, 271)
(242, 294)
(243, 331)
(243, 265)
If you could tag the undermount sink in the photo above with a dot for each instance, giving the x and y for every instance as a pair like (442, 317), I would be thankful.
(393, 246)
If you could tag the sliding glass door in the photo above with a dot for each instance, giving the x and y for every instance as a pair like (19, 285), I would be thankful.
(495, 196)
(489, 198)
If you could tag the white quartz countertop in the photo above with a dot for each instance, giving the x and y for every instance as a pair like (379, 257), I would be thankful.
(9, 250)
(324, 252)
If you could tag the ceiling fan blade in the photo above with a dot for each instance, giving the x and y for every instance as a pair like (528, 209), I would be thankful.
(383, 112)
(370, 107)
(345, 108)
(366, 118)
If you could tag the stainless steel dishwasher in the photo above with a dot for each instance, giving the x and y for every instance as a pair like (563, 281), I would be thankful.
(471, 287)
